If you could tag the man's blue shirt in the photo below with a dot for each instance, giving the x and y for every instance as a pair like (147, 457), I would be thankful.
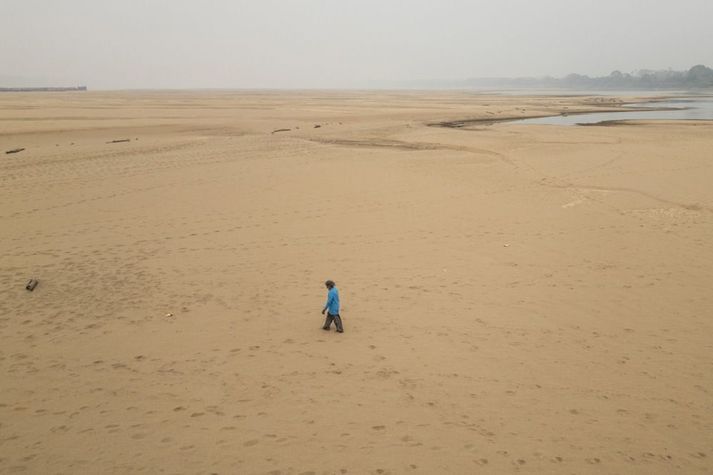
(333, 301)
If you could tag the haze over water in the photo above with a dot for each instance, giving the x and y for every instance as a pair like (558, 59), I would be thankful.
(347, 44)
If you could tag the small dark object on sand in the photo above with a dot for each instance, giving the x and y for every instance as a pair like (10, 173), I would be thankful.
(120, 140)
(316, 126)
(15, 150)
(280, 130)
(31, 284)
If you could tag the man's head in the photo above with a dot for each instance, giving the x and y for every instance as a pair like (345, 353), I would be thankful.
(329, 284)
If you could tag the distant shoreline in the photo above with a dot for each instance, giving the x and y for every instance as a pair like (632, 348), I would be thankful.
(42, 89)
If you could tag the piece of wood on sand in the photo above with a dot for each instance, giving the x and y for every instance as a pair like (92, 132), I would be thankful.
(31, 284)
(119, 141)
(15, 150)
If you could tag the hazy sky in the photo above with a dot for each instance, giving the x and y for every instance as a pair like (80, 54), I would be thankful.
(341, 43)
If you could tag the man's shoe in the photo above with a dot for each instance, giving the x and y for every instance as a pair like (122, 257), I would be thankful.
(340, 331)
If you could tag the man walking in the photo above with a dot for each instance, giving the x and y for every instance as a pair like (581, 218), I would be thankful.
(332, 308)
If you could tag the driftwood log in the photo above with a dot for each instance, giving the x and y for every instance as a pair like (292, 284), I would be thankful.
(15, 150)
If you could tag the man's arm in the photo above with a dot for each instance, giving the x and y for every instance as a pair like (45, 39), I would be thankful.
(330, 297)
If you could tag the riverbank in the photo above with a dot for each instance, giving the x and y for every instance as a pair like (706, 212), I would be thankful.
(515, 299)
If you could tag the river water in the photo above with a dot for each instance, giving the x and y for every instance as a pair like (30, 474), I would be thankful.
(699, 108)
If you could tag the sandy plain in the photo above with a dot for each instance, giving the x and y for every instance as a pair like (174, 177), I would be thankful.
(517, 299)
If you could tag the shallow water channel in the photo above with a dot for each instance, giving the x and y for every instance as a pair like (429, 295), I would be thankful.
(699, 108)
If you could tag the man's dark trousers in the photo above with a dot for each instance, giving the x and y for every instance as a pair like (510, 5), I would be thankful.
(337, 321)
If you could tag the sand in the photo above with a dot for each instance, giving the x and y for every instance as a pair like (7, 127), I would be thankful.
(532, 299)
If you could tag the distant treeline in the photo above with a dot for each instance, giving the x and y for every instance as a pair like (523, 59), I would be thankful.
(699, 76)
(42, 89)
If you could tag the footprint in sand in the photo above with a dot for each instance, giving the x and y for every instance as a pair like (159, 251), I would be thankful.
(17, 469)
